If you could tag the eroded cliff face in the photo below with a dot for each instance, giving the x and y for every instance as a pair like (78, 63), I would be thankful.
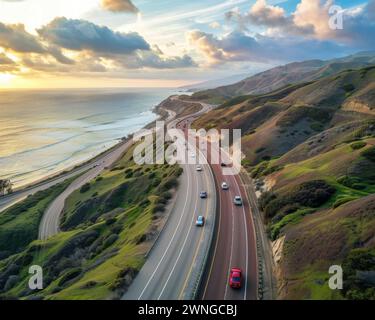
(277, 252)
(359, 106)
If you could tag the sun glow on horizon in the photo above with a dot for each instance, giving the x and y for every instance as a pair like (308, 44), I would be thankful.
(6, 79)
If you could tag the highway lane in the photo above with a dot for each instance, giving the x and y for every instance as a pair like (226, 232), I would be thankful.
(167, 270)
(235, 244)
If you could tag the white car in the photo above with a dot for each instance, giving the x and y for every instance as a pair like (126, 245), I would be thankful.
(224, 186)
(237, 201)
(199, 169)
(200, 221)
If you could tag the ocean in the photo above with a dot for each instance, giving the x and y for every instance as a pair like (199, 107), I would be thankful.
(43, 132)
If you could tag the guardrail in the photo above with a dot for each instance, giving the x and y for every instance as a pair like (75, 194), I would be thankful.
(266, 282)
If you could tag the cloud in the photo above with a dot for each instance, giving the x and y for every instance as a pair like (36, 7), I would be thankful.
(155, 60)
(238, 46)
(16, 38)
(128, 50)
(119, 6)
(4, 60)
(80, 35)
(215, 25)
(7, 64)
(310, 21)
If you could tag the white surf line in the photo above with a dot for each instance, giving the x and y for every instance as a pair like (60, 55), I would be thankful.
(170, 242)
(184, 244)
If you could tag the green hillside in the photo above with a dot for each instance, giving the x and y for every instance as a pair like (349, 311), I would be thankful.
(108, 226)
(312, 147)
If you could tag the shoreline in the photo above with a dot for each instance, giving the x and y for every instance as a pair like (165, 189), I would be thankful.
(158, 110)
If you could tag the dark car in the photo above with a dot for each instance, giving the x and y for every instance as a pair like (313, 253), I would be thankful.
(203, 194)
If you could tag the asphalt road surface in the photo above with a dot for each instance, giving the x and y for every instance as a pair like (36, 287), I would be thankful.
(166, 272)
(235, 244)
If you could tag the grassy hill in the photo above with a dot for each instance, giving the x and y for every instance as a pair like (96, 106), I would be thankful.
(282, 76)
(277, 122)
(312, 145)
(107, 227)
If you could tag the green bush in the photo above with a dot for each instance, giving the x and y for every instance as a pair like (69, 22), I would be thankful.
(310, 194)
(86, 187)
(358, 145)
(341, 201)
(359, 269)
(110, 240)
(70, 275)
(369, 153)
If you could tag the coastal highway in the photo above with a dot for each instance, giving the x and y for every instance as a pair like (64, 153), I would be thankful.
(167, 272)
(234, 244)
(49, 225)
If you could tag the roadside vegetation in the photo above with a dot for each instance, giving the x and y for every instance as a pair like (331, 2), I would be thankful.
(107, 228)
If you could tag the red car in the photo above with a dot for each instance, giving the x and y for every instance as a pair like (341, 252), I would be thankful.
(235, 278)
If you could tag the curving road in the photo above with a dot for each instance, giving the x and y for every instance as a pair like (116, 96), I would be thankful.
(235, 242)
(171, 266)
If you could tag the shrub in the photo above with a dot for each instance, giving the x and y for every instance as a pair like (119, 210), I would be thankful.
(359, 269)
(340, 202)
(349, 87)
(369, 154)
(159, 208)
(70, 275)
(358, 145)
(260, 150)
(86, 187)
(316, 126)
(259, 169)
(266, 198)
(309, 194)
(110, 240)
(312, 193)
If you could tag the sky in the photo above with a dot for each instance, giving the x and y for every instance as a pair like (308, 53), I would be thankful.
(170, 43)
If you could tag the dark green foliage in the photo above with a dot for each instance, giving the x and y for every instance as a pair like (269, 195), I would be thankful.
(260, 150)
(124, 279)
(349, 87)
(234, 101)
(70, 275)
(310, 194)
(86, 187)
(298, 113)
(358, 145)
(110, 240)
(20, 223)
(369, 153)
(359, 274)
(266, 198)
